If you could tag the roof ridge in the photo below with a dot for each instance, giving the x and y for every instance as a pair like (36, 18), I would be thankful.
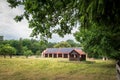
(65, 47)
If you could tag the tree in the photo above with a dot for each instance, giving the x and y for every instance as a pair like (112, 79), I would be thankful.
(27, 52)
(50, 44)
(1, 52)
(38, 53)
(12, 51)
(27, 43)
(62, 45)
(15, 44)
(43, 20)
(44, 15)
(20, 47)
(7, 50)
(96, 42)
(73, 44)
(35, 47)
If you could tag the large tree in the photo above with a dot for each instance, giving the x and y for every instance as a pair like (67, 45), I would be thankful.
(27, 52)
(44, 15)
(73, 43)
(62, 44)
(7, 50)
(96, 41)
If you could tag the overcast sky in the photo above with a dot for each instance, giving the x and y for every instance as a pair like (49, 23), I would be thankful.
(12, 30)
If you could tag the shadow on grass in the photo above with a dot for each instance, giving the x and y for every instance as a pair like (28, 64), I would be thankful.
(108, 66)
(79, 62)
(89, 62)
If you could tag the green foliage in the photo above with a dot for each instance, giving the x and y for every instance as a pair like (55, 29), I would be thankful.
(32, 45)
(27, 43)
(2, 52)
(44, 15)
(50, 44)
(27, 52)
(97, 41)
(35, 47)
(17, 44)
(38, 53)
(73, 44)
(7, 50)
(67, 14)
(62, 45)
(19, 47)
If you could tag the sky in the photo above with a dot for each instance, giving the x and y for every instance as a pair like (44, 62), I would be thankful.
(15, 30)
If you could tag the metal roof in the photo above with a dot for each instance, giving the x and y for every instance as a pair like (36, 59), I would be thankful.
(60, 50)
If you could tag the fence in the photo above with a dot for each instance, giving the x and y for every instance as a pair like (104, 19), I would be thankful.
(118, 70)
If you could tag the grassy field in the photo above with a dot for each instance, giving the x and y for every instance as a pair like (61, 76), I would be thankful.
(55, 69)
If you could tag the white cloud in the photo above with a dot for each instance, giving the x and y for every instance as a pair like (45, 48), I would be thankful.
(57, 38)
(8, 27)
(12, 30)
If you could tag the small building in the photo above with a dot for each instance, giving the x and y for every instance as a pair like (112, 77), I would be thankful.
(73, 54)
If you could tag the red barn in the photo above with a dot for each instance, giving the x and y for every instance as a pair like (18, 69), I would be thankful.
(74, 54)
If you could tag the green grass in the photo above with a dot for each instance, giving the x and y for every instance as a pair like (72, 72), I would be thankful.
(55, 69)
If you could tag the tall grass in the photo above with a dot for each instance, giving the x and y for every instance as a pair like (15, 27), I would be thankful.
(55, 69)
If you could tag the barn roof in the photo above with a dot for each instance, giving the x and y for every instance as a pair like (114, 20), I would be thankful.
(59, 50)
(62, 50)
(79, 51)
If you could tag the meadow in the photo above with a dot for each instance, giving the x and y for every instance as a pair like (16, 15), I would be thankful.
(56, 69)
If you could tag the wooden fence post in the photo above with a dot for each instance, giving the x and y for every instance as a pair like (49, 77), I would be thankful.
(118, 70)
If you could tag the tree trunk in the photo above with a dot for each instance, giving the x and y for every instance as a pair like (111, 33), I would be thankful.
(10, 56)
(26, 56)
(118, 69)
(105, 58)
(4, 56)
(118, 62)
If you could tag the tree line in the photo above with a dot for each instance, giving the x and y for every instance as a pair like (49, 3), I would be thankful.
(99, 22)
(29, 47)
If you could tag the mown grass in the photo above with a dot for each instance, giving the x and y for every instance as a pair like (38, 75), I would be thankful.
(55, 69)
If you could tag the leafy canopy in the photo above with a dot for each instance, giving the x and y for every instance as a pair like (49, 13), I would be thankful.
(27, 52)
(62, 44)
(97, 41)
(7, 50)
(44, 16)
